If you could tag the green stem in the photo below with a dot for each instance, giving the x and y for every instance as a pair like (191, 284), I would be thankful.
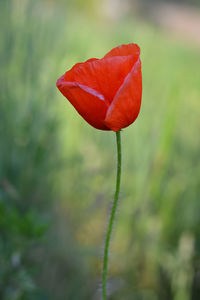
(112, 216)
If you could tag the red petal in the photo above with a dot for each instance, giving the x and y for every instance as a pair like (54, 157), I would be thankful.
(126, 105)
(124, 50)
(89, 103)
(103, 75)
(70, 75)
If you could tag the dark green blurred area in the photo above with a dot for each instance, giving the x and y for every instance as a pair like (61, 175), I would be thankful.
(57, 173)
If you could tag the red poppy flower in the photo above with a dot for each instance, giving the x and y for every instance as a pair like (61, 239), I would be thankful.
(106, 92)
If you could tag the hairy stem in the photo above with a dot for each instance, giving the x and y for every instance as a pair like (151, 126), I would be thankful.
(112, 216)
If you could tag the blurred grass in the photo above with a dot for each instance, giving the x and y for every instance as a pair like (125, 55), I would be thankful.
(57, 174)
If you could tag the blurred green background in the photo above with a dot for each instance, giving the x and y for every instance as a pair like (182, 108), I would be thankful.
(57, 174)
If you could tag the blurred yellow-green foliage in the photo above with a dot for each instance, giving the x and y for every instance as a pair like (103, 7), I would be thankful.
(57, 173)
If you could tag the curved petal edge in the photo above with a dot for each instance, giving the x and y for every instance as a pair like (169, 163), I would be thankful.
(126, 105)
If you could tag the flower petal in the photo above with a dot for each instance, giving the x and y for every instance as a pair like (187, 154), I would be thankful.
(126, 105)
(89, 103)
(103, 75)
(71, 74)
(124, 50)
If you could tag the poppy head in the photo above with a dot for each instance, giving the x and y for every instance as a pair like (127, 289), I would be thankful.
(106, 92)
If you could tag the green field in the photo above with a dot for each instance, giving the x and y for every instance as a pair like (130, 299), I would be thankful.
(57, 174)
